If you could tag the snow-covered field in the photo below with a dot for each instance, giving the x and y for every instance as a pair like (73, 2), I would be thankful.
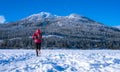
(60, 61)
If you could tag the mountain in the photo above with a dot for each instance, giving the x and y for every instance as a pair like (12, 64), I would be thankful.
(72, 31)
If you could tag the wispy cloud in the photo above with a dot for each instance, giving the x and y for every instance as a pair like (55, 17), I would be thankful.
(2, 19)
(117, 26)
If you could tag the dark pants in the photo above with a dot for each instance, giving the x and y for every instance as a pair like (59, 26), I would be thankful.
(38, 48)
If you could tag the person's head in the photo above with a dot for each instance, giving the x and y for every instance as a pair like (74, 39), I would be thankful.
(38, 31)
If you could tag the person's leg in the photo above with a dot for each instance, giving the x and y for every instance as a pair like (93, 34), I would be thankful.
(37, 47)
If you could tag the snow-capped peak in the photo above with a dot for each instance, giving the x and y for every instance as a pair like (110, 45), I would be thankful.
(74, 16)
(79, 17)
(39, 16)
(42, 15)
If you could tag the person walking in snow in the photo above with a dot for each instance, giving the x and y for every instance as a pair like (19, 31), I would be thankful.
(37, 37)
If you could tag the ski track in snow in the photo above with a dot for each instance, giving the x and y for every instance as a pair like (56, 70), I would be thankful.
(60, 61)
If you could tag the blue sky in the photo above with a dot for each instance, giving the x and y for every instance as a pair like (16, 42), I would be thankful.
(104, 11)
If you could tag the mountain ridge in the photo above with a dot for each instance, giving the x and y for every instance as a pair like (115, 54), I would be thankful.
(73, 31)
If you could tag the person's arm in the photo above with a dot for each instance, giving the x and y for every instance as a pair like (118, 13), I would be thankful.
(33, 36)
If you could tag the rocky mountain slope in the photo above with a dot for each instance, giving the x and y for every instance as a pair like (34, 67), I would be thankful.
(73, 31)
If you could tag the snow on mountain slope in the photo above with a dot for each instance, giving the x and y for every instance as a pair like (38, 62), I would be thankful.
(60, 61)
(39, 16)
(47, 36)
(76, 16)
(46, 15)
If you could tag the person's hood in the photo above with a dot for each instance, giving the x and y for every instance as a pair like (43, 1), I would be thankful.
(38, 31)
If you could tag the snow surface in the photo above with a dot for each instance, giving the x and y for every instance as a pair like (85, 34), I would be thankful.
(60, 61)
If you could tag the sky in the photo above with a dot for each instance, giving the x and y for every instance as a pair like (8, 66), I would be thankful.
(103, 11)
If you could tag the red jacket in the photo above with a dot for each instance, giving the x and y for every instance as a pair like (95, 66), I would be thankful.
(37, 36)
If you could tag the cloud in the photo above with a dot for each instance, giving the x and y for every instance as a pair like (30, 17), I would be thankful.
(2, 19)
(118, 26)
